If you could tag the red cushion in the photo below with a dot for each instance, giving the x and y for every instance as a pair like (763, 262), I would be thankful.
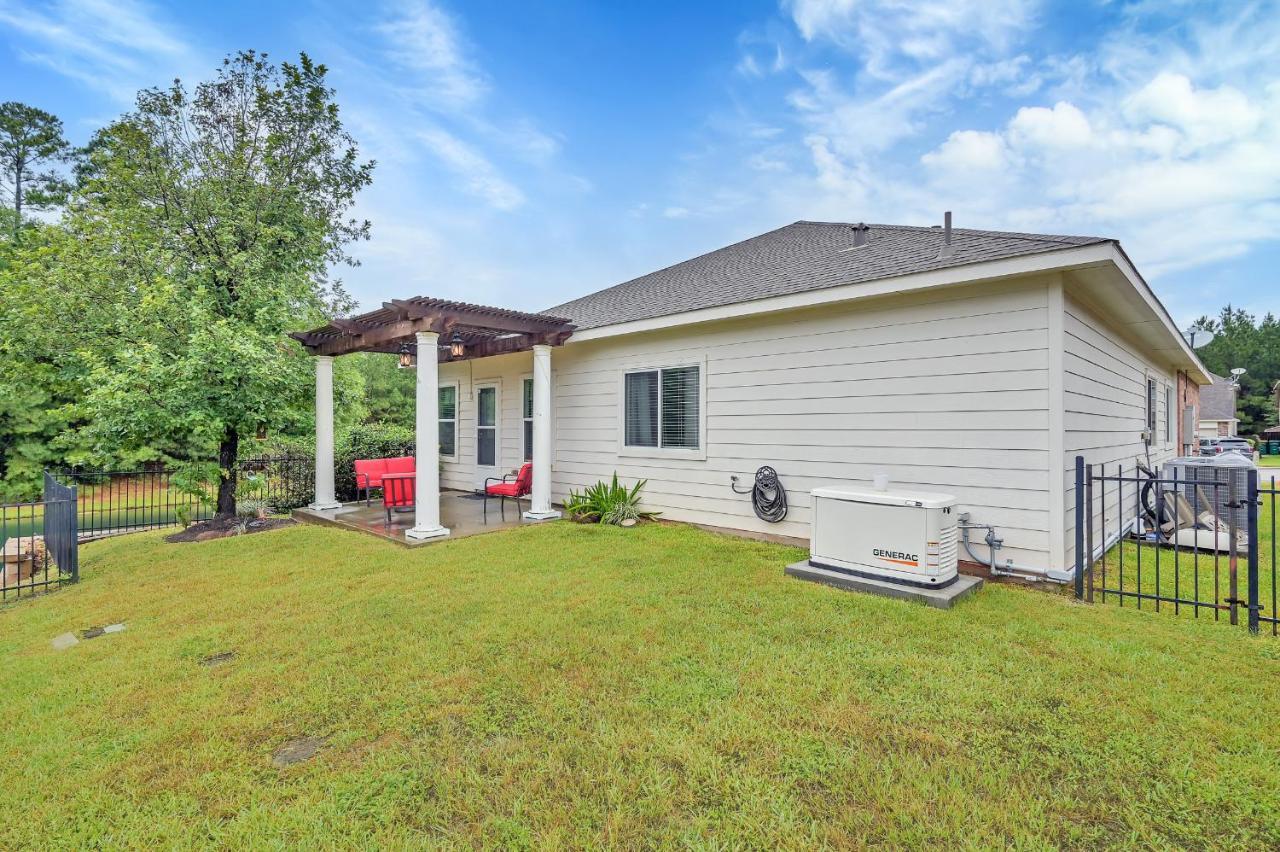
(400, 464)
(397, 492)
(504, 489)
(524, 479)
(369, 472)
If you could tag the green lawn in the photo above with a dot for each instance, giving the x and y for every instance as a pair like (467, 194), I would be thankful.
(1191, 576)
(1268, 461)
(562, 685)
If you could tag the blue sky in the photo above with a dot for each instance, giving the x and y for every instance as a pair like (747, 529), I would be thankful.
(532, 152)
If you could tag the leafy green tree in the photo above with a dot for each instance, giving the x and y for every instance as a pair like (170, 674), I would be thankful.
(1241, 340)
(31, 141)
(388, 390)
(202, 231)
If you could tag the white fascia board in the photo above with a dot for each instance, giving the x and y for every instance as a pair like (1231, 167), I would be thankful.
(1007, 268)
(1179, 348)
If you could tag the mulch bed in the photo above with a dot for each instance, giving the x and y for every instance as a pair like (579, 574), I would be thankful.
(223, 527)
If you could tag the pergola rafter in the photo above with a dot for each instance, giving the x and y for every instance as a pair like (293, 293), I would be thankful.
(484, 330)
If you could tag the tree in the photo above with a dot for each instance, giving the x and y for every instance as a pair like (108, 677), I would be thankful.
(389, 391)
(30, 138)
(1241, 340)
(201, 232)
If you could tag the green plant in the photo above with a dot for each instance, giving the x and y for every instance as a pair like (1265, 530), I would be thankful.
(367, 441)
(252, 507)
(183, 513)
(608, 503)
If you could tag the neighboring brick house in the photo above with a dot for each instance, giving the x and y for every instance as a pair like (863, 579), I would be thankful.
(1189, 419)
(1218, 408)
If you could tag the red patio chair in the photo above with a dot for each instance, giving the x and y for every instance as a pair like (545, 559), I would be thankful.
(397, 493)
(513, 486)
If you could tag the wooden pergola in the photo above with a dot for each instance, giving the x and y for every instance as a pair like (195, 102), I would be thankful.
(482, 330)
(457, 331)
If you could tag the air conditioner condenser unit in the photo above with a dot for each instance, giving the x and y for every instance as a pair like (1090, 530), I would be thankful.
(902, 536)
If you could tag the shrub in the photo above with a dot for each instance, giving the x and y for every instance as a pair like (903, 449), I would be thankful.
(251, 507)
(607, 503)
(367, 441)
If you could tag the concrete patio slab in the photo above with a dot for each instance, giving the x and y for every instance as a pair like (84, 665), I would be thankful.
(461, 513)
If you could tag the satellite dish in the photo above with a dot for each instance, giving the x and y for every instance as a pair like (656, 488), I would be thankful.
(1198, 336)
(1238, 372)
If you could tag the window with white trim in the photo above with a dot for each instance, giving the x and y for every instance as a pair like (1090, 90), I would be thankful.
(662, 408)
(526, 413)
(448, 397)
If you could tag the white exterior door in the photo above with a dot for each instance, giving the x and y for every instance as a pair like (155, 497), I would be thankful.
(488, 439)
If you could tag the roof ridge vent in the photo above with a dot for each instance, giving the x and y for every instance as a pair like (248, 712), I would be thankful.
(947, 249)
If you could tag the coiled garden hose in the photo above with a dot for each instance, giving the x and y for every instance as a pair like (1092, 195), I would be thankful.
(768, 497)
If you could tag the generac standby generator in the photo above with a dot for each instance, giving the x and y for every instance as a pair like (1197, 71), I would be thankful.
(902, 536)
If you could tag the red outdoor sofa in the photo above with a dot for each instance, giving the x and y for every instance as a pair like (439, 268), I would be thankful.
(369, 473)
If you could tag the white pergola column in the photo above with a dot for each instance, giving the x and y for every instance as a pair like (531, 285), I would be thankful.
(426, 497)
(326, 497)
(540, 500)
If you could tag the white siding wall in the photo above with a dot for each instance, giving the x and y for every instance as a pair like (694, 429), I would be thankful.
(944, 392)
(508, 371)
(1105, 412)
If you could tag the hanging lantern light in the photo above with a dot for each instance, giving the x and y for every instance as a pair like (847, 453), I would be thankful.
(457, 348)
(406, 356)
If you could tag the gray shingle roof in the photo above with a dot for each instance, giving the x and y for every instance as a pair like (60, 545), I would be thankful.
(1218, 400)
(797, 258)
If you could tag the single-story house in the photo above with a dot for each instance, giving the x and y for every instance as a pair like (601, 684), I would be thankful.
(1218, 414)
(977, 363)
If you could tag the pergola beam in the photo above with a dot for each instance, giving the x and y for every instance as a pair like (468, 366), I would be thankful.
(488, 331)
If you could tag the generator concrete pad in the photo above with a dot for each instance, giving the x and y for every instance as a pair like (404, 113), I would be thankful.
(943, 598)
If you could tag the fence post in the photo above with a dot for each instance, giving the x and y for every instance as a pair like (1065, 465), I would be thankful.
(1251, 495)
(1080, 555)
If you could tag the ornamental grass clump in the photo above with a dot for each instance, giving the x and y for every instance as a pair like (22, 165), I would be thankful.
(608, 503)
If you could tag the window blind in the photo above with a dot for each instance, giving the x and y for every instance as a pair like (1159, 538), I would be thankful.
(680, 408)
(641, 409)
(448, 401)
(1151, 407)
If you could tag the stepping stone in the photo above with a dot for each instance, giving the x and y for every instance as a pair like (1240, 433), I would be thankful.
(296, 751)
(95, 632)
(64, 641)
(218, 659)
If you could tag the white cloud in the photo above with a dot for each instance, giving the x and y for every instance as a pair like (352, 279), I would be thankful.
(424, 40)
(1203, 116)
(1063, 126)
(479, 176)
(855, 125)
(676, 213)
(968, 151)
(116, 48)
(887, 33)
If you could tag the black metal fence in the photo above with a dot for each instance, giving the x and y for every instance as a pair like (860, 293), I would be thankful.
(120, 501)
(39, 542)
(1201, 542)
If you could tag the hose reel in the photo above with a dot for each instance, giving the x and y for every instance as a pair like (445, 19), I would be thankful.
(768, 498)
